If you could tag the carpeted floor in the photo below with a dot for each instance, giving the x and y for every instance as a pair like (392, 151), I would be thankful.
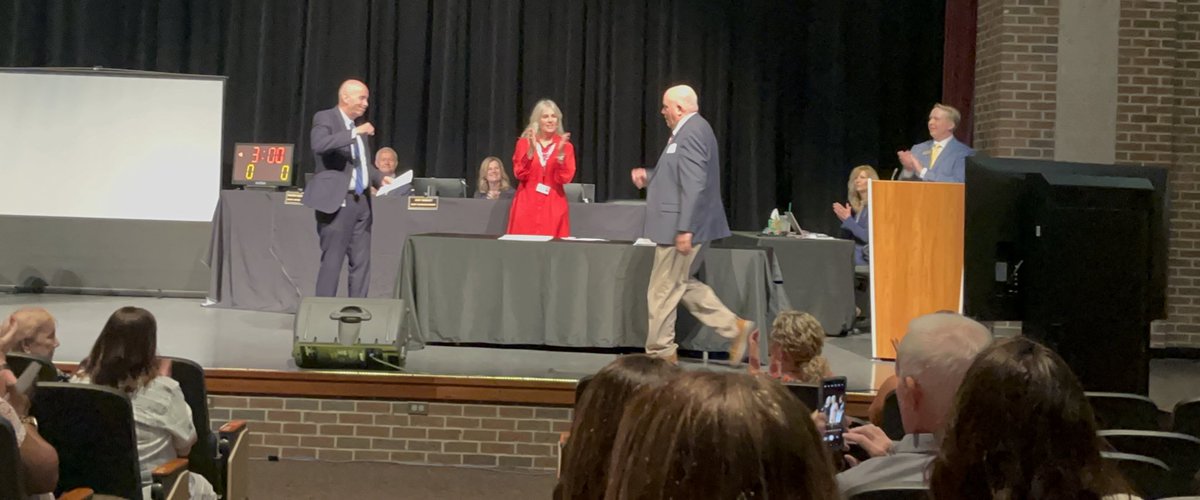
(343, 481)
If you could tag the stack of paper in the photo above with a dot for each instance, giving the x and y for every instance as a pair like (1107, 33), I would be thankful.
(403, 180)
(525, 237)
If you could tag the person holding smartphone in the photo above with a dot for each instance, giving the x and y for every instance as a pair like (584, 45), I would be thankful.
(39, 458)
(931, 361)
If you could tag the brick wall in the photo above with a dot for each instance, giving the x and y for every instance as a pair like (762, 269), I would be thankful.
(1157, 116)
(384, 431)
(1015, 73)
(1182, 327)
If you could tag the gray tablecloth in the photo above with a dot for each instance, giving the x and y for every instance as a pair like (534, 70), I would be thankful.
(473, 289)
(264, 254)
(817, 274)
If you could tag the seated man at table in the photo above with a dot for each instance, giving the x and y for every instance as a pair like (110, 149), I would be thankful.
(386, 161)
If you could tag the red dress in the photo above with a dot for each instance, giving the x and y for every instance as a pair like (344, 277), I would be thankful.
(534, 212)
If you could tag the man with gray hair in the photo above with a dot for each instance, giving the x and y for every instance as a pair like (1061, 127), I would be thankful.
(683, 213)
(931, 361)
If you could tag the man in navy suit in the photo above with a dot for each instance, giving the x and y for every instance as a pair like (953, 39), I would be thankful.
(942, 158)
(683, 212)
(340, 190)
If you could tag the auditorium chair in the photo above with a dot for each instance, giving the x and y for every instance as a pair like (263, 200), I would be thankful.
(17, 362)
(893, 424)
(92, 429)
(12, 481)
(581, 386)
(216, 457)
(889, 490)
(1149, 477)
(1115, 410)
(1186, 417)
(203, 457)
(806, 393)
(1180, 453)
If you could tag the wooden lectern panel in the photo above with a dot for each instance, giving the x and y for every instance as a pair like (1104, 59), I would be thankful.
(916, 255)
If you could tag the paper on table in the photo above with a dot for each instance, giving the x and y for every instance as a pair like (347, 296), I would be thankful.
(643, 242)
(573, 238)
(526, 237)
(404, 180)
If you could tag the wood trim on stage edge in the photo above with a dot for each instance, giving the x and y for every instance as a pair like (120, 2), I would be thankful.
(403, 387)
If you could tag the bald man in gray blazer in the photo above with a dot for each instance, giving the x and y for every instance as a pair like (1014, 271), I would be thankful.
(683, 212)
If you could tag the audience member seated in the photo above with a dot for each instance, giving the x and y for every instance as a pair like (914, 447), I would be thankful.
(854, 214)
(597, 416)
(930, 364)
(125, 357)
(38, 329)
(794, 353)
(1022, 428)
(719, 435)
(39, 458)
(493, 183)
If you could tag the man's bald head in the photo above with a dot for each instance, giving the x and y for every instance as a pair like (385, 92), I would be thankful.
(685, 97)
(677, 102)
(352, 98)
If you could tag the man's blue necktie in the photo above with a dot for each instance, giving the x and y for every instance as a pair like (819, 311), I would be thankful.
(359, 187)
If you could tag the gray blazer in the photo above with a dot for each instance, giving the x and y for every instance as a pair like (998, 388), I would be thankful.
(951, 162)
(684, 191)
(331, 142)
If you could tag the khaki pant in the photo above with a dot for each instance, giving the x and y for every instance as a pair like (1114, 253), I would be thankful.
(671, 282)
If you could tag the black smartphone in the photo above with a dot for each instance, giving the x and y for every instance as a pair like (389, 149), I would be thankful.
(832, 399)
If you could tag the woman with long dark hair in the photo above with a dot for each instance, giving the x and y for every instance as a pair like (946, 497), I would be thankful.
(597, 416)
(719, 435)
(125, 357)
(1022, 429)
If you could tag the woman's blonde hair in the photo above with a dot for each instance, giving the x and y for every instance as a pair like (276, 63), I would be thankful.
(856, 201)
(482, 185)
(801, 337)
(536, 114)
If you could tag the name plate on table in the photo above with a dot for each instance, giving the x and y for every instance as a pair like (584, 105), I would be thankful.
(422, 202)
(293, 197)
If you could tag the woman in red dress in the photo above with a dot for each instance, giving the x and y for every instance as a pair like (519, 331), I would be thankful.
(544, 160)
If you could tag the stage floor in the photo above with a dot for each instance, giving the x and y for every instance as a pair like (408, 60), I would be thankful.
(233, 339)
(226, 338)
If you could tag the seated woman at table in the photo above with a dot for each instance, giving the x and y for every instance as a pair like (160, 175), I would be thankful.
(855, 215)
(544, 160)
(493, 181)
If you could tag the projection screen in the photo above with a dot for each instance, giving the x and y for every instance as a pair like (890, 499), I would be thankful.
(110, 144)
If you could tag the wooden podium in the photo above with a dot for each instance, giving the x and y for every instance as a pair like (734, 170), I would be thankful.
(916, 255)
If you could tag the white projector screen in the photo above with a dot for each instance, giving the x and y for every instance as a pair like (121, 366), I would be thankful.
(114, 145)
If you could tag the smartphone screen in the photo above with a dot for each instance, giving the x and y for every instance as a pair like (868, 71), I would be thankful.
(832, 399)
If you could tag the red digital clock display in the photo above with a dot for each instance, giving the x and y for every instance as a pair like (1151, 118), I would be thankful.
(263, 164)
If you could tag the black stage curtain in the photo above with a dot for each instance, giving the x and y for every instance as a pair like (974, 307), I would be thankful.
(799, 91)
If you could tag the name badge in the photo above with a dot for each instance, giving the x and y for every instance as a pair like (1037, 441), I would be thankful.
(671, 148)
(542, 188)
